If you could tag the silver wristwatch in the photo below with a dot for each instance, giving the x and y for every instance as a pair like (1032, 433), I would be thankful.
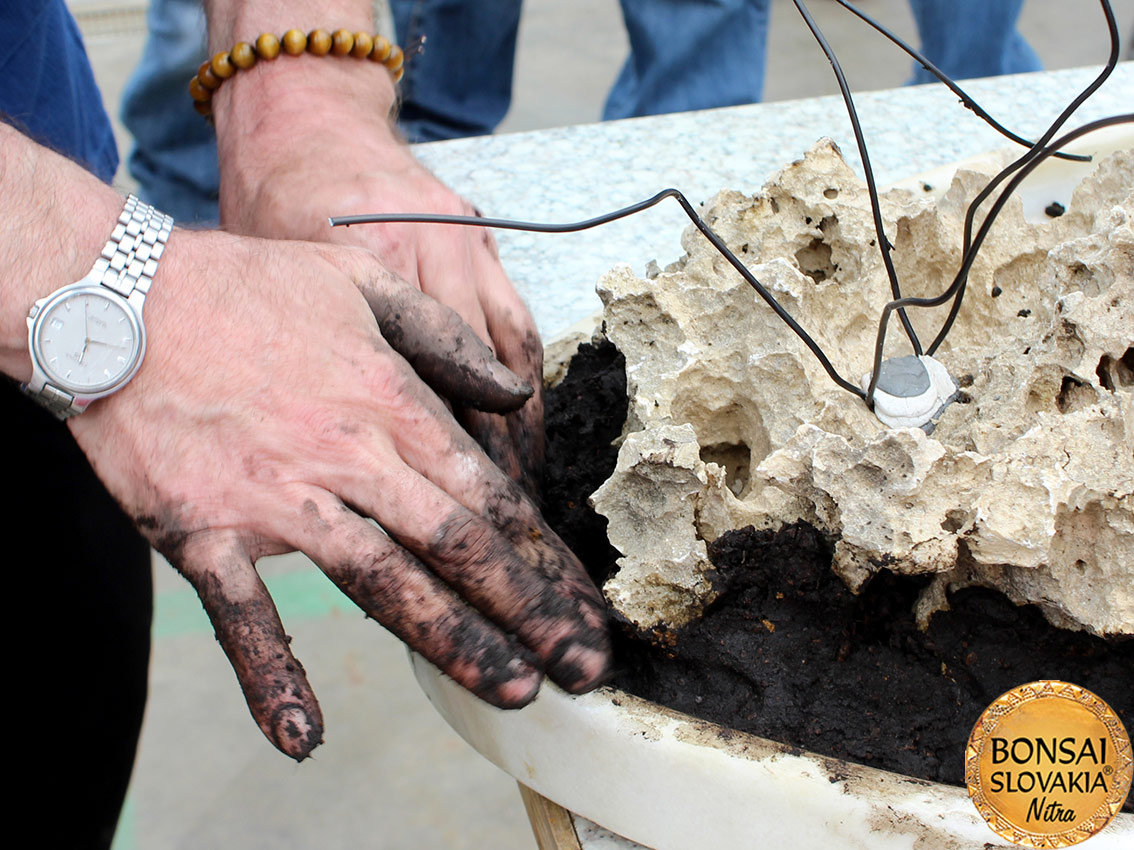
(87, 339)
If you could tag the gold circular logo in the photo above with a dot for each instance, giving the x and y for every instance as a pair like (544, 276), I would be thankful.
(1048, 764)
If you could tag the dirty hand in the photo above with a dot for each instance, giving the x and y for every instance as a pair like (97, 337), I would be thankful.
(272, 413)
(294, 153)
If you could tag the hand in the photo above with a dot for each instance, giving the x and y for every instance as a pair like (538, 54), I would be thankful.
(272, 414)
(292, 156)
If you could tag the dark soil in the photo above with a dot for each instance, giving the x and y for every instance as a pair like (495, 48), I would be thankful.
(583, 416)
(787, 652)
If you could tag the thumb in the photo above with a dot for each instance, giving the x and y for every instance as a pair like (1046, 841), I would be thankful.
(442, 348)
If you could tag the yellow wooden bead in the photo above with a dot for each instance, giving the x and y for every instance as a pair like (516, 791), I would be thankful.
(363, 44)
(222, 66)
(294, 42)
(343, 42)
(398, 74)
(198, 92)
(381, 48)
(242, 55)
(395, 60)
(267, 46)
(319, 42)
(207, 78)
(203, 108)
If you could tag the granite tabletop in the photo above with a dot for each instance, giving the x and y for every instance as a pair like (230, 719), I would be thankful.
(573, 173)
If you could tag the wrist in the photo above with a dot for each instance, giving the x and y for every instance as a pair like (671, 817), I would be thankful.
(275, 92)
(242, 20)
(287, 127)
(268, 104)
(57, 219)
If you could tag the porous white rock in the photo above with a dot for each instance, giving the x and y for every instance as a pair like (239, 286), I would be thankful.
(1025, 484)
(661, 475)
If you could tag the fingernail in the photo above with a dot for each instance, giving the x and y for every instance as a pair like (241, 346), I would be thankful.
(522, 685)
(578, 668)
(295, 734)
(510, 381)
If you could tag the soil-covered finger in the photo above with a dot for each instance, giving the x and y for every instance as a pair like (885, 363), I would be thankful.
(516, 341)
(394, 588)
(526, 431)
(529, 587)
(472, 481)
(445, 351)
(585, 663)
(249, 631)
(474, 557)
(576, 654)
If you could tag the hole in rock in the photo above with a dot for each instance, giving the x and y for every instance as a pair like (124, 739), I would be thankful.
(1103, 371)
(735, 459)
(815, 260)
(954, 520)
(1116, 373)
(1074, 394)
(730, 431)
(831, 194)
(1083, 277)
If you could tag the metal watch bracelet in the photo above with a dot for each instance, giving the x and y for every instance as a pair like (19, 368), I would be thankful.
(130, 257)
(126, 266)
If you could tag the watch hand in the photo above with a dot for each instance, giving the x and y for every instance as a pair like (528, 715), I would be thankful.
(100, 342)
(86, 329)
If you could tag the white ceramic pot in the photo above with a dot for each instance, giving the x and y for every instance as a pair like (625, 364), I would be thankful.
(673, 782)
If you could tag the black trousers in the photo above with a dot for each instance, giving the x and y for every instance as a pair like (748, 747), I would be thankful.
(79, 632)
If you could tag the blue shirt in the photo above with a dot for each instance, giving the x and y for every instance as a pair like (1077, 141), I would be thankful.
(49, 91)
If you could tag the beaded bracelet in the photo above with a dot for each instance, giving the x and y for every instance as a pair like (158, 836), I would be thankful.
(318, 42)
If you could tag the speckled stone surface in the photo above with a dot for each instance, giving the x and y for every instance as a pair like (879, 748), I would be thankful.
(573, 173)
(594, 837)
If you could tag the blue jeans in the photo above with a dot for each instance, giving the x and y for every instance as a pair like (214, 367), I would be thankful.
(972, 38)
(461, 83)
(175, 151)
(684, 54)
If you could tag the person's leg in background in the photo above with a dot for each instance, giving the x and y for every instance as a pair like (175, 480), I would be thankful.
(690, 54)
(175, 155)
(81, 604)
(461, 83)
(972, 38)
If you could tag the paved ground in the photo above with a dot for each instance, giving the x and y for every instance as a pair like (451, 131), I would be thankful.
(391, 774)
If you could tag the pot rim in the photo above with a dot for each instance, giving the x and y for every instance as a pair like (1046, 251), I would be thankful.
(685, 783)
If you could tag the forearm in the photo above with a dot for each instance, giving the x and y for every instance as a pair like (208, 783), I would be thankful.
(56, 220)
(267, 106)
(243, 20)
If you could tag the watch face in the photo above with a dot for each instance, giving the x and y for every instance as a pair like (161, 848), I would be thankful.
(87, 339)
